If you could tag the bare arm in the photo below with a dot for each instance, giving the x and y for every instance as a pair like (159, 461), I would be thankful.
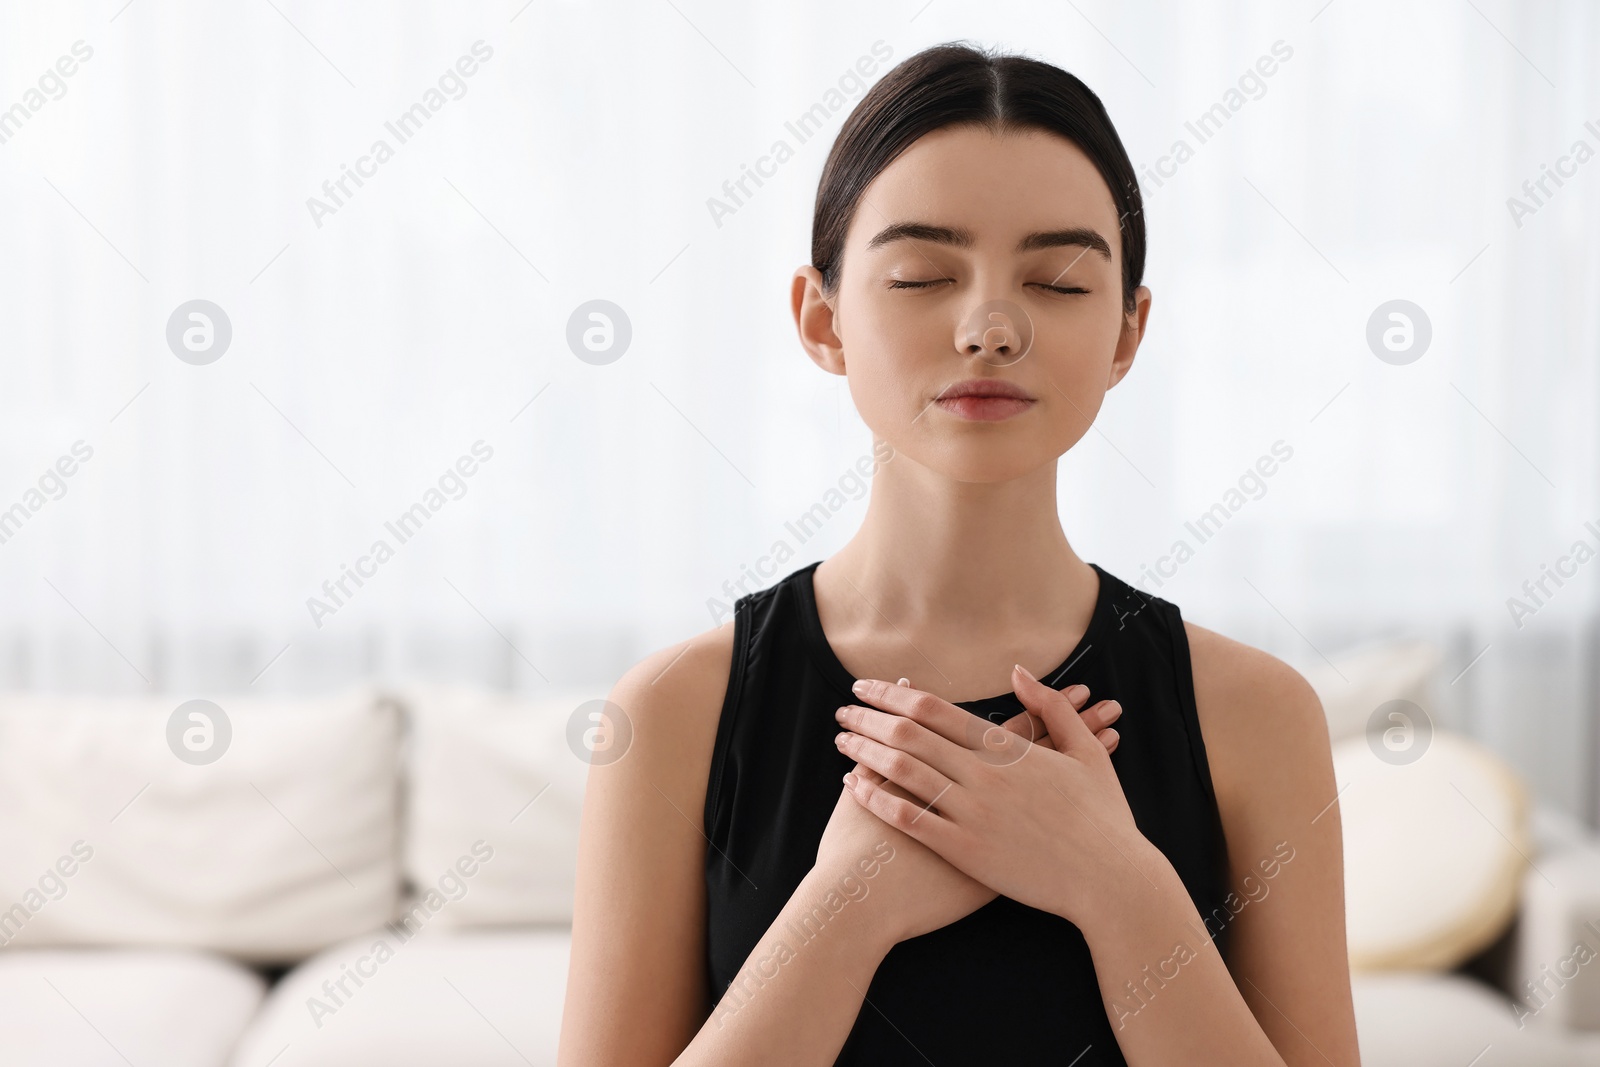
(636, 988)
(1267, 744)
(1286, 999)
(796, 998)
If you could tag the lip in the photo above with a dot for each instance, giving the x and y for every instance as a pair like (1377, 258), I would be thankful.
(984, 399)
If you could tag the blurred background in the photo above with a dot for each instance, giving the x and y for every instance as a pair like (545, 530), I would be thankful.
(1380, 256)
(374, 341)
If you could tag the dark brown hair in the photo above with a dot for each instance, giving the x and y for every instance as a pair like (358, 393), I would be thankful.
(957, 84)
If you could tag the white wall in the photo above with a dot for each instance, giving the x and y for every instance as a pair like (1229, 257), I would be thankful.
(371, 351)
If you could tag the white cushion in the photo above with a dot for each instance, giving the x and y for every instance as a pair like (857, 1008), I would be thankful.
(494, 768)
(112, 1007)
(1357, 683)
(439, 998)
(1433, 852)
(286, 843)
(1445, 1020)
(1555, 958)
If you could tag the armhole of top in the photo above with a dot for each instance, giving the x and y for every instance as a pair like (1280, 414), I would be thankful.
(1197, 747)
(730, 709)
(1184, 668)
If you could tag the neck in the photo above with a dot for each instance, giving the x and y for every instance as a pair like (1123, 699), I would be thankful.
(931, 548)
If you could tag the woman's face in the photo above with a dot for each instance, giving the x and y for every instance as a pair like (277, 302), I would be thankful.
(978, 258)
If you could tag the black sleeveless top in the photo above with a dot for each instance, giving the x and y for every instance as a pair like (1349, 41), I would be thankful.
(1008, 983)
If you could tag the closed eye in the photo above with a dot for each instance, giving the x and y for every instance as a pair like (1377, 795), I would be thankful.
(897, 283)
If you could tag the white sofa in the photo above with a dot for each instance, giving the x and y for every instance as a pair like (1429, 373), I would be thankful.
(385, 877)
(368, 877)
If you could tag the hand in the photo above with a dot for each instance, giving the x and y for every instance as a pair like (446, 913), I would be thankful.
(909, 888)
(1045, 824)
(927, 893)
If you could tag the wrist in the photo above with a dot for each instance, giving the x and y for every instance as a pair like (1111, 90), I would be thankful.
(1140, 880)
(840, 904)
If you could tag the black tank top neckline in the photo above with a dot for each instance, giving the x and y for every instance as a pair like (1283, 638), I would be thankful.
(995, 708)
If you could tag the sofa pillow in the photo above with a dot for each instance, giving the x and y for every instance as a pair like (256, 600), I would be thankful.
(1434, 851)
(113, 1007)
(285, 843)
(465, 999)
(493, 787)
(1553, 971)
(1420, 1019)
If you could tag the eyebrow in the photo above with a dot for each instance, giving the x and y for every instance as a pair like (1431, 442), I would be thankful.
(1075, 236)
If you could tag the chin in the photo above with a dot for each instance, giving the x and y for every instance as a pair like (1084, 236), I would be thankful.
(973, 459)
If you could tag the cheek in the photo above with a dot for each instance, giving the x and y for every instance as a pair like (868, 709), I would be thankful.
(892, 350)
(1077, 345)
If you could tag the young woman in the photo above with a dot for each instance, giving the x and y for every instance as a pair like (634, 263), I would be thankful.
(881, 817)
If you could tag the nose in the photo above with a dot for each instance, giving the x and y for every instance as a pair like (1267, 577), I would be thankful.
(997, 331)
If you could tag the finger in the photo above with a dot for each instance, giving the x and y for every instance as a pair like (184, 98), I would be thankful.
(1108, 737)
(866, 773)
(1058, 710)
(1026, 724)
(1096, 718)
(908, 772)
(1101, 715)
(906, 735)
(925, 825)
(939, 716)
(861, 770)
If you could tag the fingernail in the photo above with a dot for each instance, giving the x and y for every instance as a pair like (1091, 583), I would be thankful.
(1020, 669)
(904, 681)
(850, 780)
(1077, 693)
(838, 739)
(859, 688)
(839, 714)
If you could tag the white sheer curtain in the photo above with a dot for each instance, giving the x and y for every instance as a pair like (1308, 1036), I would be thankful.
(377, 337)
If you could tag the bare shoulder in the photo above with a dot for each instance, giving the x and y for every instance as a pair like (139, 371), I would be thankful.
(672, 700)
(1234, 669)
(638, 924)
(1258, 717)
(1267, 745)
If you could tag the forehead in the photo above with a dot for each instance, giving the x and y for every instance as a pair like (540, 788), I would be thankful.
(998, 185)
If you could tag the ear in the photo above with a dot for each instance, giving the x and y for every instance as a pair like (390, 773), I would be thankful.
(814, 319)
(1133, 324)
